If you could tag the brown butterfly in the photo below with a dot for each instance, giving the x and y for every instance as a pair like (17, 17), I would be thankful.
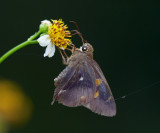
(82, 83)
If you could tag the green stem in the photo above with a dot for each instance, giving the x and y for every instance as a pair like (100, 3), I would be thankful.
(34, 36)
(13, 50)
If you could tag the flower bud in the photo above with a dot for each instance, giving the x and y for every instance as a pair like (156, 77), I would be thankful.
(44, 26)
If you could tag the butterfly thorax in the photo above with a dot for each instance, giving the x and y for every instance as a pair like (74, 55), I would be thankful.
(79, 55)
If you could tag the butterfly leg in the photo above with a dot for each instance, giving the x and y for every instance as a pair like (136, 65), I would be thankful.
(65, 54)
(64, 60)
(73, 47)
(71, 44)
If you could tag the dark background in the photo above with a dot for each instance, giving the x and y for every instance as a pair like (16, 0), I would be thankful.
(125, 36)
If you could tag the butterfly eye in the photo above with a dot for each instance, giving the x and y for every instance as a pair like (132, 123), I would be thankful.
(84, 48)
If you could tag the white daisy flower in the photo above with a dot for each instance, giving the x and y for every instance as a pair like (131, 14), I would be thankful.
(57, 35)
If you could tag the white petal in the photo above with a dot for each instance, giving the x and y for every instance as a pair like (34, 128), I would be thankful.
(52, 51)
(44, 40)
(48, 50)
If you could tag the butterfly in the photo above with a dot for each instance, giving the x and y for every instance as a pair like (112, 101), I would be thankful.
(82, 83)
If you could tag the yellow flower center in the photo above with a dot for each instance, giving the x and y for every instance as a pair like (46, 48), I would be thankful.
(58, 34)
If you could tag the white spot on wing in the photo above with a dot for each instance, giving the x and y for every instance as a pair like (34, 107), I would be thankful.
(81, 78)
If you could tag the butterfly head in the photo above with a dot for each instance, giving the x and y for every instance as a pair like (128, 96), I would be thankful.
(87, 49)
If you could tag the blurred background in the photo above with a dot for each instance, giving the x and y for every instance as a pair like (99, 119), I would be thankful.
(125, 36)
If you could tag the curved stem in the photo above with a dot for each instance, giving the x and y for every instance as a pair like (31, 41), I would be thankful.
(34, 36)
(13, 50)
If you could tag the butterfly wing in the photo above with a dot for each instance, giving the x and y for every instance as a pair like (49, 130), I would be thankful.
(103, 102)
(75, 85)
(82, 83)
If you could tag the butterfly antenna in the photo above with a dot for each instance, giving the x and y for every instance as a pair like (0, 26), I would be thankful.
(75, 23)
(78, 33)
